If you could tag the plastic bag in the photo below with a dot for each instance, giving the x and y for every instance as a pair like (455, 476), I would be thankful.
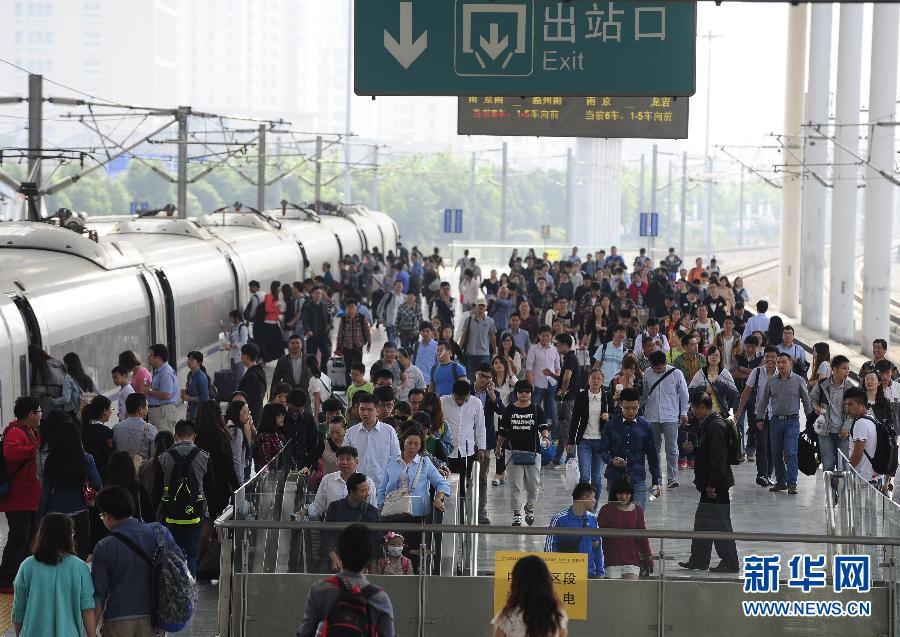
(572, 475)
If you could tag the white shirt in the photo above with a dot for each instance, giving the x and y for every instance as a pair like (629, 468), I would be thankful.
(892, 391)
(864, 431)
(333, 488)
(415, 379)
(124, 392)
(466, 425)
(376, 448)
(321, 385)
(662, 343)
(595, 408)
(756, 323)
(540, 358)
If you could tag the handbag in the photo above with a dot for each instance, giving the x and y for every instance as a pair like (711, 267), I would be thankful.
(807, 454)
(399, 502)
(820, 426)
(524, 457)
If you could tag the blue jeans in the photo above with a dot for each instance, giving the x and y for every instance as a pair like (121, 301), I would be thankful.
(187, 536)
(829, 445)
(670, 429)
(590, 466)
(545, 398)
(784, 433)
(640, 494)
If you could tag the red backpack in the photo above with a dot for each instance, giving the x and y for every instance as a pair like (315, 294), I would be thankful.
(350, 615)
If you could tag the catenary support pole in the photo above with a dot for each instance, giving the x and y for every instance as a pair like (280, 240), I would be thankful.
(318, 173)
(683, 206)
(641, 188)
(570, 203)
(261, 169)
(815, 153)
(789, 279)
(741, 206)
(35, 141)
(503, 195)
(183, 112)
(375, 202)
(653, 186)
(473, 175)
(846, 173)
(348, 106)
(879, 210)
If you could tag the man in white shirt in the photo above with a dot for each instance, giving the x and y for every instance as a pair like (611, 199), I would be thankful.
(665, 400)
(863, 435)
(333, 486)
(464, 415)
(759, 322)
(541, 369)
(662, 343)
(375, 441)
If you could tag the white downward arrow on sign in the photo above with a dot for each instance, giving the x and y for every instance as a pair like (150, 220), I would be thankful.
(405, 51)
(495, 46)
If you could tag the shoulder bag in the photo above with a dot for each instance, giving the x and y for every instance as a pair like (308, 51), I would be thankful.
(400, 502)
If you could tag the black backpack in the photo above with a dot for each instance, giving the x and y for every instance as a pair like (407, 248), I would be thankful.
(732, 442)
(182, 501)
(350, 615)
(259, 315)
(884, 462)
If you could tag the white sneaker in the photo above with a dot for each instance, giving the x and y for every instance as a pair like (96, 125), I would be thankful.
(517, 519)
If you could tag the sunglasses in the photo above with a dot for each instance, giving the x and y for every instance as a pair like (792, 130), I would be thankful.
(523, 391)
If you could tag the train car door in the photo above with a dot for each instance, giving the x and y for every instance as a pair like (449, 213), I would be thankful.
(171, 326)
(13, 356)
(156, 305)
(305, 263)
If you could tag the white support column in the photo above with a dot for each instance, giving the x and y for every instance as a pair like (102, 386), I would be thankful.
(815, 152)
(879, 210)
(846, 174)
(789, 280)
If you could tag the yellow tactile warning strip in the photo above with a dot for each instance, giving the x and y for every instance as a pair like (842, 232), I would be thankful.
(6, 602)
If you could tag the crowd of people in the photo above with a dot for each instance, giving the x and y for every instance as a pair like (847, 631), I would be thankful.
(622, 369)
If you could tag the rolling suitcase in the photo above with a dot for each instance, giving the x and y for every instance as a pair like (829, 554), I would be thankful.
(226, 383)
(335, 371)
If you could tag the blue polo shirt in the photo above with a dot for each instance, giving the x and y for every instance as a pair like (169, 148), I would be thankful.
(164, 379)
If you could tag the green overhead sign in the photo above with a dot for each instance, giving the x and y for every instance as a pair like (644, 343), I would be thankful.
(524, 47)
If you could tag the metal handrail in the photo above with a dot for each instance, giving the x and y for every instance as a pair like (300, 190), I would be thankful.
(668, 534)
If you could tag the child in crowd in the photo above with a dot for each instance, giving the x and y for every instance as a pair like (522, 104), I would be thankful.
(120, 380)
(394, 562)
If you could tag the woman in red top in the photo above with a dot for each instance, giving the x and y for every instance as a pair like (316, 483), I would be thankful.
(20, 502)
(272, 341)
(623, 556)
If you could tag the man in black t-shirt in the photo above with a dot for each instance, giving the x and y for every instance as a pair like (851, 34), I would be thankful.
(568, 384)
(747, 361)
(524, 426)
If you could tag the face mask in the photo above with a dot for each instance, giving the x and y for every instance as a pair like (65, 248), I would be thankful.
(395, 551)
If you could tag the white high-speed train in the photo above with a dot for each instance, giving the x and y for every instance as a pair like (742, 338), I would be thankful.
(156, 280)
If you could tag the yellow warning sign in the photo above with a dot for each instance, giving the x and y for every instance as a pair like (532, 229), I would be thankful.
(568, 570)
